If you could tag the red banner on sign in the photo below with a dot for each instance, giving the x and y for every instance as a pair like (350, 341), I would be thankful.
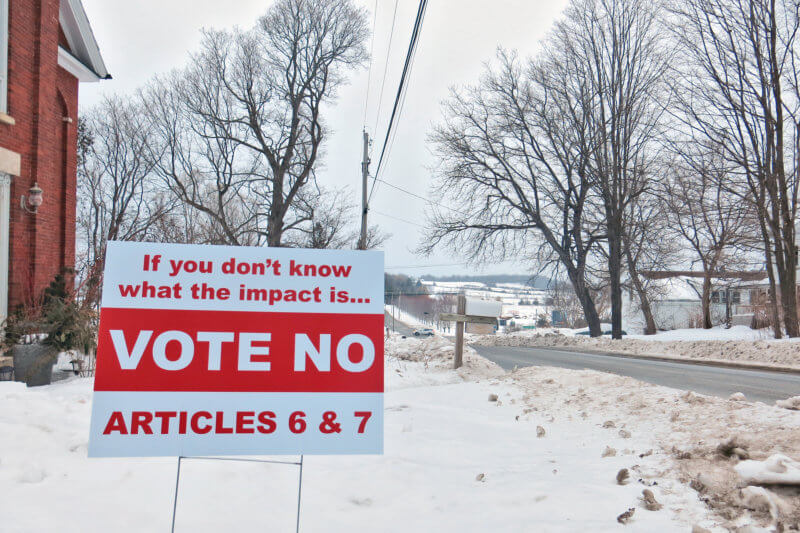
(227, 351)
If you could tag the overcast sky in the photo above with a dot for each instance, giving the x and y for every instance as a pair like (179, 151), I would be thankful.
(148, 37)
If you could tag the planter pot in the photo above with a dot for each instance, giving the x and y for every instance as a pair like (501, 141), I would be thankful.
(33, 363)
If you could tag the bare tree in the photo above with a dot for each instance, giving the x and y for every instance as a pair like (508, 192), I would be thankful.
(617, 50)
(565, 301)
(714, 223)
(739, 92)
(514, 154)
(243, 128)
(117, 200)
(649, 245)
(332, 215)
(203, 167)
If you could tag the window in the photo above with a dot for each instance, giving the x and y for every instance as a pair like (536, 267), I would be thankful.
(715, 297)
(736, 297)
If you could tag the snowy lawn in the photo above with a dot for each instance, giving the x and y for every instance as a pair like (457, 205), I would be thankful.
(454, 461)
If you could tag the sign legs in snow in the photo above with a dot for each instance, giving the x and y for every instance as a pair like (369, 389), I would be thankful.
(299, 482)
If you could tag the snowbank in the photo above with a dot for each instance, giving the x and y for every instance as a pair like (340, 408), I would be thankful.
(790, 403)
(686, 430)
(436, 355)
(785, 353)
(735, 333)
(719, 333)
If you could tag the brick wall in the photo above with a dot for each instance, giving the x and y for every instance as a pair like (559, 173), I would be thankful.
(41, 95)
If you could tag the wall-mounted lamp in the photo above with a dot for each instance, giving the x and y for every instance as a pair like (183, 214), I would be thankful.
(33, 201)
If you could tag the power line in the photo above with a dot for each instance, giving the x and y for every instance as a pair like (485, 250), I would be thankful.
(428, 200)
(397, 218)
(371, 50)
(411, 53)
(401, 88)
(386, 67)
(400, 112)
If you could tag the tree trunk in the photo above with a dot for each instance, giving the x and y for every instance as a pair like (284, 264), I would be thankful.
(772, 302)
(274, 232)
(644, 301)
(706, 301)
(590, 314)
(649, 320)
(587, 303)
(780, 190)
(789, 286)
(615, 273)
(772, 298)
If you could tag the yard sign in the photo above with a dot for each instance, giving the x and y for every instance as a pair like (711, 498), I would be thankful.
(217, 350)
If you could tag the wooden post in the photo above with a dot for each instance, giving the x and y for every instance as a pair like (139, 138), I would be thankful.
(461, 310)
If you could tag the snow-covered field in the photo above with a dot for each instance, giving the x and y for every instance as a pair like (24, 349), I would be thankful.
(470, 450)
(738, 344)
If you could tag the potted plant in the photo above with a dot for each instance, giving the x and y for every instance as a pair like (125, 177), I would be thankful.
(35, 334)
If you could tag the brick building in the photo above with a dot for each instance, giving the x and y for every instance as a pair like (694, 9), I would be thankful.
(46, 49)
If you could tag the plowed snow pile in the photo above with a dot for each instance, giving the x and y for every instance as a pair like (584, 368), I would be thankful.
(436, 355)
(701, 439)
(770, 352)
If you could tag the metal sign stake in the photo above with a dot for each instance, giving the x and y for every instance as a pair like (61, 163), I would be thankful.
(243, 460)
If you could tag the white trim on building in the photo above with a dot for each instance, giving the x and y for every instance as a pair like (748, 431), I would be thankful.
(3, 56)
(5, 212)
(82, 44)
(73, 65)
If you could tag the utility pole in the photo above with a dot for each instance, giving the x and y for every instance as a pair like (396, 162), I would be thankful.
(362, 242)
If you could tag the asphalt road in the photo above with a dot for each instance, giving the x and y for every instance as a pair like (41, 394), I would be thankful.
(717, 381)
(400, 327)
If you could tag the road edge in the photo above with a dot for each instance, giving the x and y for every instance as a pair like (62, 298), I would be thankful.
(722, 363)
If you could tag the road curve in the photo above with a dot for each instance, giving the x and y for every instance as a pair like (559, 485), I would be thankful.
(756, 385)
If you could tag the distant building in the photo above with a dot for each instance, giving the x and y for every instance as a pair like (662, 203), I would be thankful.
(46, 49)
(677, 303)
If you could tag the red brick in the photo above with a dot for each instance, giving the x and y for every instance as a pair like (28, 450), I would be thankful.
(41, 94)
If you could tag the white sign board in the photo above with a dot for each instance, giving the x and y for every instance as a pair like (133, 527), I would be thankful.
(476, 307)
(215, 350)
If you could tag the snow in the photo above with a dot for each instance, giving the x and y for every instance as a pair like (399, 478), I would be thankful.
(735, 333)
(790, 403)
(761, 499)
(679, 288)
(776, 470)
(454, 461)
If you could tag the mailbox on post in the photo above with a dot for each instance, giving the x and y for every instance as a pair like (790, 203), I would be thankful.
(473, 311)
